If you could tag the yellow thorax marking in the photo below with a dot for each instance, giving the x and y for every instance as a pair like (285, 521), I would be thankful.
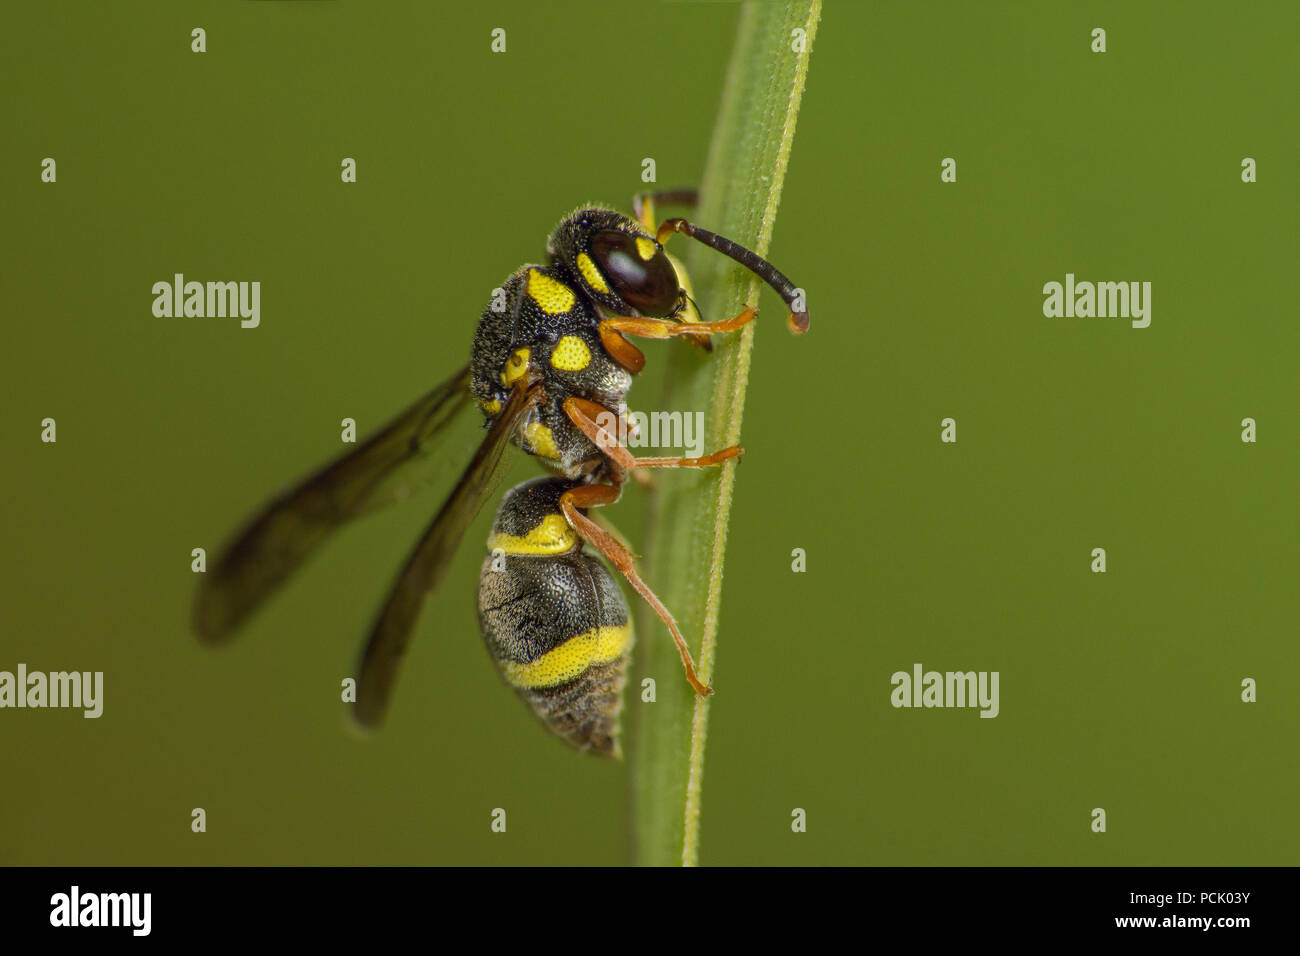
(553, 535)
(571, 354)
(646, 248)
(541, 440)
(490, 408)
(591, 273)
(555, 298)
(601, 645)
(516, 365)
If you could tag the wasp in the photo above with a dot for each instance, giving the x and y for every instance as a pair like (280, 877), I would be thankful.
(550, 367)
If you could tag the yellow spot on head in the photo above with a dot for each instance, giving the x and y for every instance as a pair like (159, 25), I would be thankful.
(555, 298)
(541, 441)
(516, 365)
(573, 658)
(646, 248)
(571, 354)
(552, 536)
(591, 273)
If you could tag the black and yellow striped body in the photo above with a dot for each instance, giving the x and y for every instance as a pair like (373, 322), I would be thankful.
(553, 618)
(546, 325)
(545, 320)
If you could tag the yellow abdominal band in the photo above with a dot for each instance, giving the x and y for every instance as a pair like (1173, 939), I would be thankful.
(573, 658)
(553, 535)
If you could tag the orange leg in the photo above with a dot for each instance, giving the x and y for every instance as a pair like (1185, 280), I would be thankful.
(621, 350)
(613, 330)
(641, 476)
(591, 496)
(608, 527)
(585, 414)
(667, 328)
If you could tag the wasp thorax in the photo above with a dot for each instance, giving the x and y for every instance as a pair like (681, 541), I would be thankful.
(638, 271)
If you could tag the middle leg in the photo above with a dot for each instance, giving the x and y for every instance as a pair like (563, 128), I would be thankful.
(586, 414)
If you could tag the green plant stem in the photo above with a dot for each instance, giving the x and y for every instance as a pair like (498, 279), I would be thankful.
(687, 536)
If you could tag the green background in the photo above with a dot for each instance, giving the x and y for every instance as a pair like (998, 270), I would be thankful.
(1119, 690)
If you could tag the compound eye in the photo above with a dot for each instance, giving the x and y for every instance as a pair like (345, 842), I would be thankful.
(638, 271)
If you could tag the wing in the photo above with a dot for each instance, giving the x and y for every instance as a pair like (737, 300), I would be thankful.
(428, 563)
(290, 528)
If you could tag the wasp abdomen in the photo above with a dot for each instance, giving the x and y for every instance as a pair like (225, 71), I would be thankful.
(584, 711)
(554, 620)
